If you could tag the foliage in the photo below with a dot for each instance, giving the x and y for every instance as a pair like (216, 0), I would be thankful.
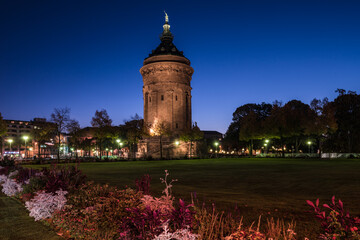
(3, 126)
(143, 184)
(95, 211)
(24, 174)
(11, 188)
(36, 183)
(212, 224)
(67, 178)
(179, 234)
(192, 135)
(101, 119)
(103, 130)
(7, 162)
(61, 117)
(335, 221)
(43, 205)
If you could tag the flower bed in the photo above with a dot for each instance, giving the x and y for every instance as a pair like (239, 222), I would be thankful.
(76, 209)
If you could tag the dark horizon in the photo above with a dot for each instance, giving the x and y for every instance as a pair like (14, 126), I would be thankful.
(87, 55)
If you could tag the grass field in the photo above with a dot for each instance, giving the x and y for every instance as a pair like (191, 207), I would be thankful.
(267, 187)
(15, 223)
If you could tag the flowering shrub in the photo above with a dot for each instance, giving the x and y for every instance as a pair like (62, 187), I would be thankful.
(163, 204)
(335, 221)
(24, 174)
(179, 234)
(10, 187)
(43, 205)
(96, 212)
(67, 178)
(3, 178)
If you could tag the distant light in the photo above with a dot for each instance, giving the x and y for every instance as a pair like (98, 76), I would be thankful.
(177, 143)
(309, 142)
(265, 144)
(107, 149)
(121, 144)
(25, 138)
(216, 144)
(267, 141)
(31, 149)
(118, 140)
(72, 149)
(10, 140)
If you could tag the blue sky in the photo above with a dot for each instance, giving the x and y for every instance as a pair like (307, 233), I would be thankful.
(86, 55)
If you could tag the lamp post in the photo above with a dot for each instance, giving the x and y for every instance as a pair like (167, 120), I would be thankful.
(216, 148)
(266, 144)
(25, 138)
(309, 143)
(10, 142)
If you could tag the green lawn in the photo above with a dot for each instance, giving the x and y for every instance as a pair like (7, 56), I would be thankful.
(15, 223)
(267, 187)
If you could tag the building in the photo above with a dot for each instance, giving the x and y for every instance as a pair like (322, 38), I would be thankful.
(19, 141)
(166, 75)
(167, 92)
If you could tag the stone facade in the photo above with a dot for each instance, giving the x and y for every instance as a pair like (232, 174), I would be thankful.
(167, 92)
(166, 75)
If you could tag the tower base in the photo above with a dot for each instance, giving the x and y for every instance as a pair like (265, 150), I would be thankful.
(171, 148)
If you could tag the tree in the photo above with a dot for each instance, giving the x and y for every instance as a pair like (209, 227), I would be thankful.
(298, 116)
(160, 129)
(192, 135)
(3, 130)
(323, 123)
(248, 124)
(102, 122)
(134, 131)
(347, 115)
(61, 117)
(75, 135)
(43, 132)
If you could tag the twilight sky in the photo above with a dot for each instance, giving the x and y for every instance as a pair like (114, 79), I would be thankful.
(86, 55)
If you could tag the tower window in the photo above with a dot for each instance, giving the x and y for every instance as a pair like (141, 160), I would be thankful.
(149, 99)
(175, 97)
(162, 97)
(177, 125)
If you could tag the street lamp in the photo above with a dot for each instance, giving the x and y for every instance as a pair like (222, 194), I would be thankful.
(177, 143)
(216, 147)
(25, 138)
(309, 143)
(10, 142)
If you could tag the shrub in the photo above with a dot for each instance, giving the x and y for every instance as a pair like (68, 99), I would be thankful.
(179, 234)
(7, 162)
(10, 187)
(67, 178)
(163, 204)
(43, 205)
(96, 211)
(24, 174)
(36, 183)
(143, 184)
(335, 221)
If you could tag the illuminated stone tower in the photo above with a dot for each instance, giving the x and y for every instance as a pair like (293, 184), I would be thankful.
(167, 92)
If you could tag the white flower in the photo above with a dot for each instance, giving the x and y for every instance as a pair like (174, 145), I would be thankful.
(43, 205)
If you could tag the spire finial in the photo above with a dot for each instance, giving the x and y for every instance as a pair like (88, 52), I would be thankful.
(166, 17)
(166, 26)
